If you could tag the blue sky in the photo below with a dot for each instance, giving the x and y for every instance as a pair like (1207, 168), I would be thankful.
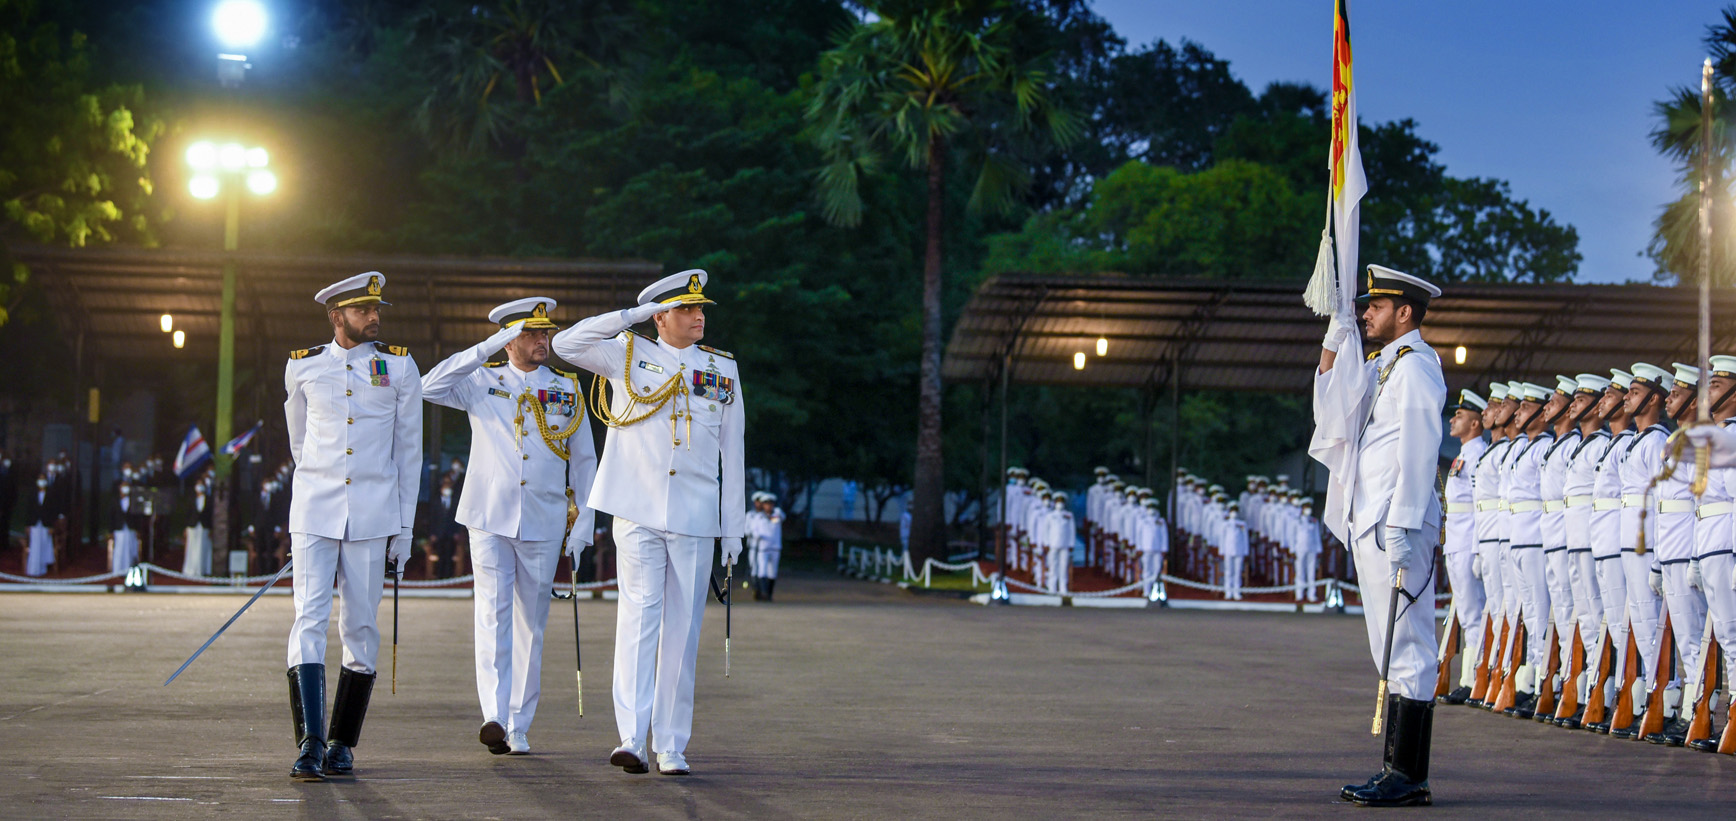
(1554, 97)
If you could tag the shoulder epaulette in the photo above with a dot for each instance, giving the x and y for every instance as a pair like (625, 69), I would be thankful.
(395, 350)
(641, 335)
(1371, 357)
(724, 354)
(566, 374)
(306, 352)
(494, 364)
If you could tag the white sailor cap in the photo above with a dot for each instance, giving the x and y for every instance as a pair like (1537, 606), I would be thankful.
(1103, 471)
(1687, 374)
(1591, 383)
(1113, 478)
(1039, 484)
(758, 496)
(1497, 391)
(1216, 488)
(1515, 390)
(1469, 400)
(1283, 479)
(1060, 495)
(1384, 281)
(685, 288)
(1620, 378)
(1534, 392)
(1724, 366)
(1652, 376)
(360, 289)
(532, 312)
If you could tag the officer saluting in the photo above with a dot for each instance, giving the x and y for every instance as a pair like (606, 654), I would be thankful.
(1389, 510)
(672, 476)
(355, 433)
(530, 452)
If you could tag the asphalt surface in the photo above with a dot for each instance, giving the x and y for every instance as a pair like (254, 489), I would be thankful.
(846, 700)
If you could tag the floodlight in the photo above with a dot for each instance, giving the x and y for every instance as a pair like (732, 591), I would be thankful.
(232, 156)
(202, 155)
(239, 23)
(261, 182)
(203, 187)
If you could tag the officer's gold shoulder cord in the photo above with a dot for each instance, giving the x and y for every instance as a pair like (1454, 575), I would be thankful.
(651, 401)
(555, 439)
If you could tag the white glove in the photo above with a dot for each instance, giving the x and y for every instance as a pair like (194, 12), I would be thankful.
(574, 544)
(398, 550)
(1398, 550)
(1733, 578)
(640, 313)
(1477, 566)
(1695, 580)
(731, 549)
(1657, 582)
(1338, 332)
(501, 337)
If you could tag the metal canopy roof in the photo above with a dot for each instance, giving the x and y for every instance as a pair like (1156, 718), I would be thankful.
(1257, 336)
(114, 297)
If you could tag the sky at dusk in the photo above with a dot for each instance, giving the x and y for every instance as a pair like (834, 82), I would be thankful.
(1554, 97)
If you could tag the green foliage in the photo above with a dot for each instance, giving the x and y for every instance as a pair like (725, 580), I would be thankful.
(1675, 249)
(73, 154)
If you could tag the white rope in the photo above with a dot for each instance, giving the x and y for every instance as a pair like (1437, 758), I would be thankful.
(242, 580)
(38, 580)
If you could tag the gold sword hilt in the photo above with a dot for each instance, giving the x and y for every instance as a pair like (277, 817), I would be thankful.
(581, 677)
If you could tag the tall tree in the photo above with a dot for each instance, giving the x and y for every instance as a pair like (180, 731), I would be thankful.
(1675, 245)
(928, 82)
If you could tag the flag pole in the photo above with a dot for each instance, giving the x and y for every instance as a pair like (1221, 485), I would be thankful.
(1702, 456)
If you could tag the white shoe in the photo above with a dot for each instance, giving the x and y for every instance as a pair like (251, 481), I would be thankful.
(518, 742)
(630, 756)
(672, 764)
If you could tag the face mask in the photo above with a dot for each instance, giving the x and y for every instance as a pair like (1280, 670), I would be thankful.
(126, 488)
(41, 484)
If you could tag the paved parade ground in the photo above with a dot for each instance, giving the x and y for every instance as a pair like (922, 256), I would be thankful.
(846, 700)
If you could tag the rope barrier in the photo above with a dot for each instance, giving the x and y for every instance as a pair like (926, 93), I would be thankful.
(38, 580)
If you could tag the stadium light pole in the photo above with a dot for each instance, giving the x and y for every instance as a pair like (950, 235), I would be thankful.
(223, 170)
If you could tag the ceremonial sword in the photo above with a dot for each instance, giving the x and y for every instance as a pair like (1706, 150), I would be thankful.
(1386, 658)
(214, 636)
(397, 576)
(724, 595)
(578, 662)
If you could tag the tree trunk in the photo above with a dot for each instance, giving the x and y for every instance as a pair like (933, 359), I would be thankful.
(928, 508)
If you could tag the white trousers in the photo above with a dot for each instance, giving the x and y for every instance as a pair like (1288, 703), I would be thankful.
(1721, 604)
(1531, 577)
(1509, 583)
(1643, 609)
(514, 580)
(40, 554)
(1587, 603)
(1307, 571)
(1687, 614)
(126, 550)
(764, 562)
(1415, 648)
(1468, 604)
(353, 570)
(1557, 570)
(664, 579)
(1233, 577)
(1613, 596)
(198, 559)
(1060, 561)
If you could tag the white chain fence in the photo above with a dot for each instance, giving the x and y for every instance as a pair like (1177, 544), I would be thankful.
(249, 581)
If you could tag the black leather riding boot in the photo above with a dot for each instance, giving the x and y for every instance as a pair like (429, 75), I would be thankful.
(307, 714)
(1405, 782)
(348, 710)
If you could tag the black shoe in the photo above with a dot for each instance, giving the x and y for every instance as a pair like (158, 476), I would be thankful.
(759, 593)
(771, 584)
(1705, 745)
(1350, 790)
(1599, 727)
(349, 708)
(1631, 731)
(1524, 706)
(306, 715)
(493, 736)
(1404, 781)
(1673, 734)
(1572, 722)
(1458, 696)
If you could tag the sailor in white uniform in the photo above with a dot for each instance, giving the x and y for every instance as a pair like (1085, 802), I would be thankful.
(765, 528)
(1713, 535)
(1674, 549)
(1381, 427)
(1059, 534)
(1460, 548)
(354, 416)
(532, 462)
(672, 476)
(1579, 497)
(1641, 462)
(1606, 527)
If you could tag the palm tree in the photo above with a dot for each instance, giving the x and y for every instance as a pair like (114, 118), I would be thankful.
(928, 81)
(1675, 245)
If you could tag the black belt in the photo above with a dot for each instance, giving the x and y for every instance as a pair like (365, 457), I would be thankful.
(1556, 549)
(1486, 541)
(1579, 550)
(1526, 546)
(1717, 553)
(1677, 561)
(1601, 558)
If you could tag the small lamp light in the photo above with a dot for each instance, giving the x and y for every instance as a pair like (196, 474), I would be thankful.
(168, 323)
(180, 339)
(1102, 346)
(1079, 361)
(1459, 355)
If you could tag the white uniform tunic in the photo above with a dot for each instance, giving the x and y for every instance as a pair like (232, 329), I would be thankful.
(1556, 563)
(765, 533)
(1640, 462)
(1525, 505)
(675, 483)
(1394, 484)
(515, 505)
(1578, 493)
(1460, 549)
(1713, 541)
(1058, 537)
(1674, 508)
(1488, 525)
(1606, 543)
(355, 433)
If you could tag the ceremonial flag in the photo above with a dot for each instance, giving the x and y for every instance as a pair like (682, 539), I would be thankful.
(1341, 395)
(235, 445)
(193, 453)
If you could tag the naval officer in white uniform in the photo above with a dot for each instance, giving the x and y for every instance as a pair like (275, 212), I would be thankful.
(672, 476)
(530, 453)
(1389, 507)
(355, 432)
